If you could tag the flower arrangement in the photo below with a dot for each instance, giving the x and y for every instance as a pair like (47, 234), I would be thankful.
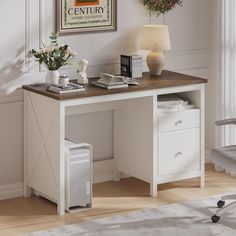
(161, 6)
(52, 55)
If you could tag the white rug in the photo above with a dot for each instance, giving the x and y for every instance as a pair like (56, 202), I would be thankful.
(192, 218)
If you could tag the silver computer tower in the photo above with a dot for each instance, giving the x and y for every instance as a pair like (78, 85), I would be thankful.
(78, 175)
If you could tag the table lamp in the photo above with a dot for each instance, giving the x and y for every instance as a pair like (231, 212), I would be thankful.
(156, 39)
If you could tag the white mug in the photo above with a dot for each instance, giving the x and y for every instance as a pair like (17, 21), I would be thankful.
(64, 81)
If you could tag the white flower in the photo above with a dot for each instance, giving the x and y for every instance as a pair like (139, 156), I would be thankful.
(73, 54)
(41, 50)
(70, 52)
(49, 48)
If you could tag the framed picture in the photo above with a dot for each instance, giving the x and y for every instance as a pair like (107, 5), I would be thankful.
(76, 16)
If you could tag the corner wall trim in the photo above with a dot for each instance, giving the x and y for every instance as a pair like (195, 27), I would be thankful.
(102, 171)
(207, 156)
(11, 191)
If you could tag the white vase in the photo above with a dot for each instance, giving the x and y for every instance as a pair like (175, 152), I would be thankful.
(52, 77)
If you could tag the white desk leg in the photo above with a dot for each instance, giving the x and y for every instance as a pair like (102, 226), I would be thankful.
(116, 177)
(153, 189)
(61, 187)
(153, 185)
(202, 179)
(27, 190)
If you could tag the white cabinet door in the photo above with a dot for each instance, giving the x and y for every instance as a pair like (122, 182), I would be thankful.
(179, 152)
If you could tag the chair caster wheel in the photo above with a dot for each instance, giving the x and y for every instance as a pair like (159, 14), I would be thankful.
(220, 203)
(215, 218)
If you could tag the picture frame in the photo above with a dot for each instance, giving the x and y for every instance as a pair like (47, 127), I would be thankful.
(81, 16)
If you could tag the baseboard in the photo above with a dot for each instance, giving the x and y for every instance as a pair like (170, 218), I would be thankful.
(11, 191)
(207, 156)
(102, 171)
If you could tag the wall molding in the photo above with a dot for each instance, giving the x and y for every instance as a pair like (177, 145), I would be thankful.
(189, 51)
(171, 55)
(27, 29)
(207, 156)
(102, 171)
(11, 99)
(11, 102)
(11, 191)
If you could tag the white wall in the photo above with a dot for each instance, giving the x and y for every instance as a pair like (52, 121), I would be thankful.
(212, 92)
(11, 108)
(190, 37)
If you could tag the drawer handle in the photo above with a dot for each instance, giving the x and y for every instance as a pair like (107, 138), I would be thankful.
(179, 122)
(178, 154)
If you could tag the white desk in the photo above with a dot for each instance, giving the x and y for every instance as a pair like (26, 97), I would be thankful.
(138, 140)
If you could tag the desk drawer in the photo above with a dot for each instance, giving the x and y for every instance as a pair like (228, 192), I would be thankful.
(179, 120)
(179, 152)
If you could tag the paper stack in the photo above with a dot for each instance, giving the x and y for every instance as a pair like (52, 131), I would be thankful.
(172, 103)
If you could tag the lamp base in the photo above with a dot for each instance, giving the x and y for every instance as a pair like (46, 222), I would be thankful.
(156, 62)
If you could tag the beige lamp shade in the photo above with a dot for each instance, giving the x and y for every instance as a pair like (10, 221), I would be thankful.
(155, 38)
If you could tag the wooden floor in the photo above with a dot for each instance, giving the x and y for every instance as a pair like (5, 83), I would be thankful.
(21, 215)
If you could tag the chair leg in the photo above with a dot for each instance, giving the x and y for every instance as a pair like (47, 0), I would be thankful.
(230, 206)
(221, 204)
(228, 197)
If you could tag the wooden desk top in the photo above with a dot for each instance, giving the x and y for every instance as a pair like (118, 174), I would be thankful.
(166, 80)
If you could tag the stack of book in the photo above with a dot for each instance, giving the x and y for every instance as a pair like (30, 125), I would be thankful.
(69, 89)
(131, 66)
(108, 81)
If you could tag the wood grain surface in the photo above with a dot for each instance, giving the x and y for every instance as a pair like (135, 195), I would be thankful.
(147, 82)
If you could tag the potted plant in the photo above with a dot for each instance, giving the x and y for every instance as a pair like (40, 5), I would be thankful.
(53, 56)
(159, 7)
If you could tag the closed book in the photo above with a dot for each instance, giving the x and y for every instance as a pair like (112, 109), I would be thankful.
(61, 90)
(109, 83)
(101, 85)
